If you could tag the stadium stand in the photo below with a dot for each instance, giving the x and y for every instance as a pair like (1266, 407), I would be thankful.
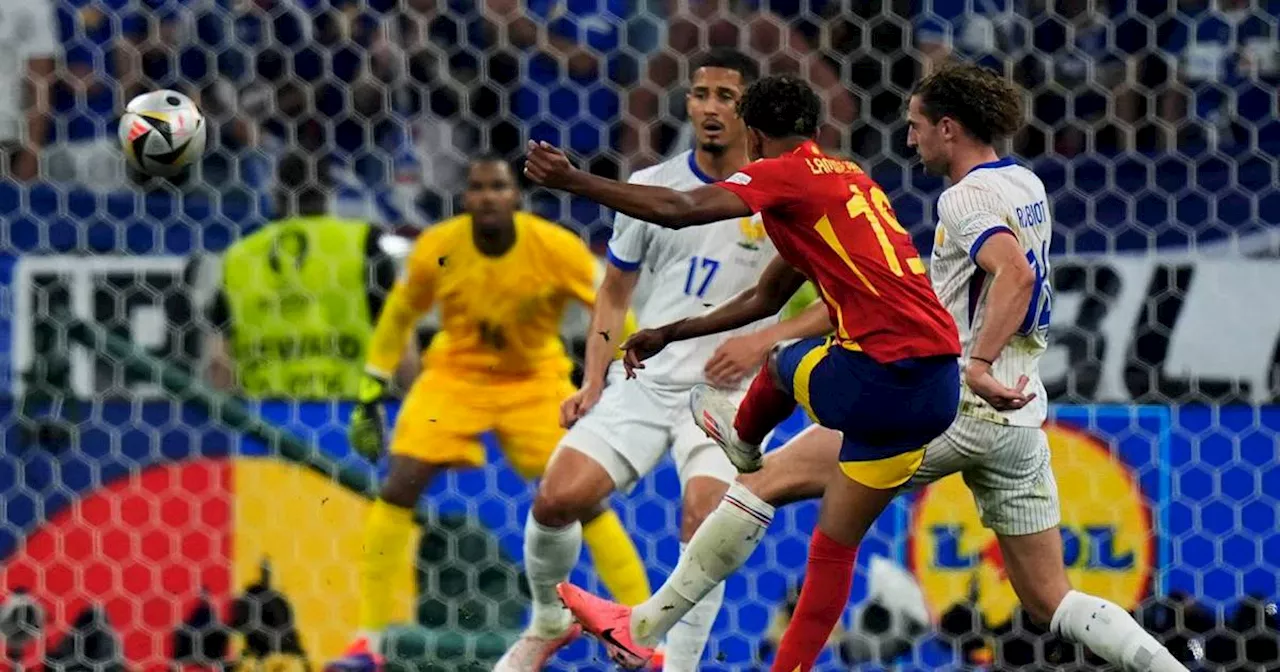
(127, 506)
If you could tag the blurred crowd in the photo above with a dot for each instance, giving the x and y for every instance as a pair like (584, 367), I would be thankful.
(397, 93)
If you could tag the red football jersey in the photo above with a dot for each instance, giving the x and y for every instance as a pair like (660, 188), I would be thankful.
(833, 223)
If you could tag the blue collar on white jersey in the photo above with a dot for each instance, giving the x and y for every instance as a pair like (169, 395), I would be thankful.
(697, 172)
(998, 163)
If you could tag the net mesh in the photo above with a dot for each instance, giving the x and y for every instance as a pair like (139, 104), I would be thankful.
(142, 526)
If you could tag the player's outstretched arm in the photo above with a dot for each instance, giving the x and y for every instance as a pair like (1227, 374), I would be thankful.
(668, 208)
(408, 299)
(775, 286)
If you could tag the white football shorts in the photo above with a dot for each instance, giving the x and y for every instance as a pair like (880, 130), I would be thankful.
(1007, 469)
(634, 425)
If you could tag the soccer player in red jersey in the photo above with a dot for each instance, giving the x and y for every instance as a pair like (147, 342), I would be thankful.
(888, 379)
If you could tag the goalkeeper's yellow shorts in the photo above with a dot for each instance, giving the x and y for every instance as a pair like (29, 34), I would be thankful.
(445, 414)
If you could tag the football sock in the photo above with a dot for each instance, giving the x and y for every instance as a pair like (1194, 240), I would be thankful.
(722, 543)
(616, 559)
(1111, 632)
(763, 407)
(387, 533)
(688, 637)
(549, 555)
(828, 578)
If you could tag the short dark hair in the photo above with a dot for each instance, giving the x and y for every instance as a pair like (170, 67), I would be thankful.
(515, 170)
(781, 106)
(302, 184)
(987, 105)
(489, 157)
(729, 59)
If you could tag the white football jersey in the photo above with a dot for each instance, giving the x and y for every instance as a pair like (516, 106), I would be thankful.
(687, 272)
(995, 197)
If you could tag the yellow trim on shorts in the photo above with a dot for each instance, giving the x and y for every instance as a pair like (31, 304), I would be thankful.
(886, 473)
(800, 381)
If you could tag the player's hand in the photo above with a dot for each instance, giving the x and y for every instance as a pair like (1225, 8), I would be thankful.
(977, 376)
(735, 359)
(548, 166)
(577, 405)
(641, 346)
(366, 430)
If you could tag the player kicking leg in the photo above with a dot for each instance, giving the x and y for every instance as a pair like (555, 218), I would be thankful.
(620, 430)
(888, 380)
(1007, 469)
(1002, 451)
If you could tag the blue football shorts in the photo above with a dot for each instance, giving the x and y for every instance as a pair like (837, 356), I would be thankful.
(887, 412)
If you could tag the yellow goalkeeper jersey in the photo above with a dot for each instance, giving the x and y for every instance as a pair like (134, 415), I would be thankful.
(500, 316)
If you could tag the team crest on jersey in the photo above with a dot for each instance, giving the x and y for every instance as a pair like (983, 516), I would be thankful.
(939, 236)
(1106, 531)
(752, 229)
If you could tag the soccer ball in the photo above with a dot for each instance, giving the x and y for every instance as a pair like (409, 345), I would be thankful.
(162, 132)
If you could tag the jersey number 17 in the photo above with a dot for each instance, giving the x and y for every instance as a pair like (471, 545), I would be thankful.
(701, 271)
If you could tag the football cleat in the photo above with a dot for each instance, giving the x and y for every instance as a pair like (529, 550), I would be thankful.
(532, 651)
(608, 622)
(713, 412)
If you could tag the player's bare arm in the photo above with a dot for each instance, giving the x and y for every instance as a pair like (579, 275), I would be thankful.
(608, 317)
(775, 287)
(739, 356)
(1012, 284)
(668, 208)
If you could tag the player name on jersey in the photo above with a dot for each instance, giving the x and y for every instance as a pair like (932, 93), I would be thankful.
(827, 166)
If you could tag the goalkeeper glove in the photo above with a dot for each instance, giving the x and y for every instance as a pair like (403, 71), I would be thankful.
(367, 429)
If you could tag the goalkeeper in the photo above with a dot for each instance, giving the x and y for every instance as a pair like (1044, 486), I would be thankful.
(502, 279)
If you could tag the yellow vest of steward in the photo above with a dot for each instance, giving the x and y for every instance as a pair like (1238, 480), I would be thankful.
(297, 295)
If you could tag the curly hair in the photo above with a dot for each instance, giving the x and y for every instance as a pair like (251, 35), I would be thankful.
(781, 106)
(986, 104)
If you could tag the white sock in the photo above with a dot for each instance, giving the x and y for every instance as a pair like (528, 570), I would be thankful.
(722, 543)
(688, 637)
(1111, 632)
(549, 555)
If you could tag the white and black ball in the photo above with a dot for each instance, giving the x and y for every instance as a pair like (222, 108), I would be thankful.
(162, 132)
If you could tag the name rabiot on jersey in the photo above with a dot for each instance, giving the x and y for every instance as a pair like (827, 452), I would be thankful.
(687, 272)
(996, 196)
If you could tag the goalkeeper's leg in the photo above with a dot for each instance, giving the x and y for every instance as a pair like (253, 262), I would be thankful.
(614, 556)
(388, 532)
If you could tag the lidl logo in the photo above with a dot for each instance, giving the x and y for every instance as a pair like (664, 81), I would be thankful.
(1108, 547)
